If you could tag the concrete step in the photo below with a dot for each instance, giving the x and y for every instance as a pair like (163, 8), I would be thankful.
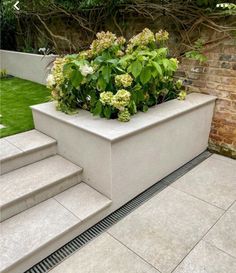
(32, 235)
(25, 148)
(34, 183)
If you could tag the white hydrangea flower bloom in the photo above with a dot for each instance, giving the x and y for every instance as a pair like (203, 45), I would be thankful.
(50, 80)
(86, 69)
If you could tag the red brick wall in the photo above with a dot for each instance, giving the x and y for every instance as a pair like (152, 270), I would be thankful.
(217, 77)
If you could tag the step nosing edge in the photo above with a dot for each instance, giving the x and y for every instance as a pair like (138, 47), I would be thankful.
(97, 211)
(27, 152)
(39, 190)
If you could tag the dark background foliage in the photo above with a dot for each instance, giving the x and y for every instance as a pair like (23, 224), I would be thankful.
(66, 26)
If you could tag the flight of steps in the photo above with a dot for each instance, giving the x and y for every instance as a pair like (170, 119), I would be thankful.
(42, 200)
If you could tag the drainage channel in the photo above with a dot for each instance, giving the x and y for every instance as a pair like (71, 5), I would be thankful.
(81, 240)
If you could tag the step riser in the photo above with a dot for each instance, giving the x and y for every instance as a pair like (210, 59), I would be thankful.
(26, 158)
(38, 196)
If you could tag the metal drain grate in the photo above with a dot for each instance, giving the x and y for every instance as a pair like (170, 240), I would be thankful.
(64, 252)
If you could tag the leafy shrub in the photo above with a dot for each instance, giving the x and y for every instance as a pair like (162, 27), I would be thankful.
(115, 78)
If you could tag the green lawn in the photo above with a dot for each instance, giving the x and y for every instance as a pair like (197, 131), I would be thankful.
(17, 95)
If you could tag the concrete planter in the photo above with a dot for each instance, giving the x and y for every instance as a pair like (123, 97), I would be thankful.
(33, 67)
(123, 159)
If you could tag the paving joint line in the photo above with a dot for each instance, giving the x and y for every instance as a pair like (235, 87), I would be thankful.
(202, 238)
(198, 198)
(132, 251)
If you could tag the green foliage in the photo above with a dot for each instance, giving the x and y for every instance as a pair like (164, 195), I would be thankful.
(228, 8)
(197, 52)
(8, 25)
(115, 79)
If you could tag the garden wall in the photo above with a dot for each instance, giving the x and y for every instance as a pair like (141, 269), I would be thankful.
(217, 77)
(32, 67)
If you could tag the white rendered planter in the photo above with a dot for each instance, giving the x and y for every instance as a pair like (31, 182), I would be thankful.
(123, 159)
(33, 67)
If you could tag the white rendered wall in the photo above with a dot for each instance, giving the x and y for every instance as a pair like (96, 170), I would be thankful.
(32, 67)
(123, 159)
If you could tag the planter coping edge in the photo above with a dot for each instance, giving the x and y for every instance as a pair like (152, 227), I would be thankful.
(113, 130)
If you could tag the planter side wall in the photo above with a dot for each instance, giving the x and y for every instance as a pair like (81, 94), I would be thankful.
(143, 159)
(27, 66)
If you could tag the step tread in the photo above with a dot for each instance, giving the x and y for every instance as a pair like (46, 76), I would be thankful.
(26, 180)
(8, 150)
(18, 144)
(23, 234)
(76, 200)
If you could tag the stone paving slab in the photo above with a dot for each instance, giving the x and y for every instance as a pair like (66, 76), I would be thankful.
(104, 255)
(223, 234)
(35, 227)
(166, 228)
(30, 140)
(76, 200)
(207, 259)
(214, 181)
(7, 149)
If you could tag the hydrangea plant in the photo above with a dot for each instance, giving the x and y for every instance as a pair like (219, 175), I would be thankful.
(115, 78)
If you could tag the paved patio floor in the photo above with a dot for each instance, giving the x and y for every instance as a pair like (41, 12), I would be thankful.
(188, 227)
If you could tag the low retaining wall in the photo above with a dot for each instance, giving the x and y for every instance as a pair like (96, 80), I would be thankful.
(33, 67)
(123, 159)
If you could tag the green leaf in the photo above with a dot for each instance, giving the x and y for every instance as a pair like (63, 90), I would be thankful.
(133, 108)
(113, 61)
(98, 108)
(78, 63)
(162, 52)
(101, 83)
(107, 112)
(136, 68)
(158, 68)
(140, 95)
(106, 73)
(99, 59)
(76, 78)
(165, 63)
(145, 108)
(145, 75)
(67, 68)
(172, 65)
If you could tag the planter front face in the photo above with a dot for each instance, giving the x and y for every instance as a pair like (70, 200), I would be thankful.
(32, 67)
(141, 160)
(123, 159)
